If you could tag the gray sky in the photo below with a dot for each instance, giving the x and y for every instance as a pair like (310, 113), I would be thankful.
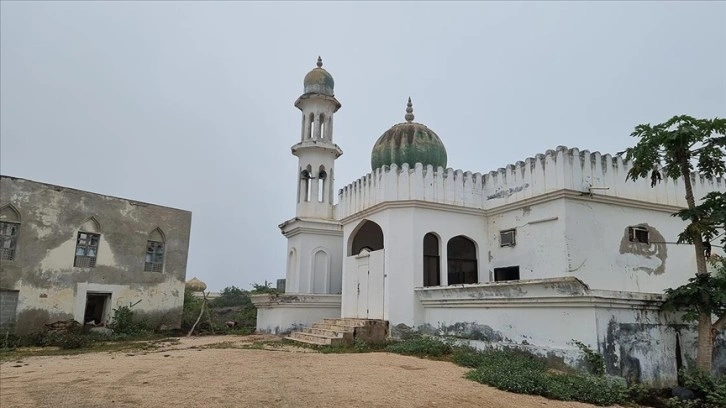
(190, 104)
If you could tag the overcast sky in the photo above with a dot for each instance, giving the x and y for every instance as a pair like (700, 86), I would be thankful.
(190, 104)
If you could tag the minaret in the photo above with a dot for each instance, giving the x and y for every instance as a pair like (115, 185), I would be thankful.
(316, 151)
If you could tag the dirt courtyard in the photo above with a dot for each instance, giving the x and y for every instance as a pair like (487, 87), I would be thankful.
(222, 372)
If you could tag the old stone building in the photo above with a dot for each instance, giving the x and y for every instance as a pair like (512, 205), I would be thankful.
(71, 254)
(536, 254)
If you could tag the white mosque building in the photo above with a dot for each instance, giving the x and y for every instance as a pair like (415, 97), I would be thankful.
(555, 248)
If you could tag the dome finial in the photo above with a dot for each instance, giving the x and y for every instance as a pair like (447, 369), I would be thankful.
(320, 62)
(409, 111)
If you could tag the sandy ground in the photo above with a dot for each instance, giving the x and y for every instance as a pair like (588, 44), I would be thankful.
(199, 372)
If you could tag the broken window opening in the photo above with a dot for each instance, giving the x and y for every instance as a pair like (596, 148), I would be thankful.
(638, 234)
(432, 261)
(154, 261)
(508, 238)
(462, 261)
(95, 312)
(508, 273)
(8, 240)
(86, 250)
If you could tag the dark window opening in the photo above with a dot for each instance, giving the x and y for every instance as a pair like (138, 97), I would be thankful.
(507, 238)
(154, 261)
(86, 250)
(509, 273)
(368, 236)
(8, 240)
(638, 234)
(431, 266)
(462, 262)
(96, 308)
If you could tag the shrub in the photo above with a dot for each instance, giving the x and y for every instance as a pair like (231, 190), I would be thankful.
(421, 347)
(124, 323)
(709, 390)
(595, 361)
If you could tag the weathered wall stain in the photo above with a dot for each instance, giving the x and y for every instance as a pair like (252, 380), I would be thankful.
(50, 218)
(656, 249)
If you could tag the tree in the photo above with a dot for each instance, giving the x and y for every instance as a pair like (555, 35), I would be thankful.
(679, 148)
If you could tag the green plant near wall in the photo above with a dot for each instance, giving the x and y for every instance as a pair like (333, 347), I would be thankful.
(595, 361)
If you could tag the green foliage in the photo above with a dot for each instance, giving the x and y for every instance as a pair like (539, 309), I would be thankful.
(421, 347)
(124, 322)
(263, 288)
(690, 299)
(595, 361)
(232, 296)
(710, 215)
(191, 309)
(675, 146)
(709, 390)
(522, 373)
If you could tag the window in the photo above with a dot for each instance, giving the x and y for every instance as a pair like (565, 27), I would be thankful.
(154, 261)
(431, 260)
(86, 250)
(8, 240)
(638, 234)
(509, 273)
(462, 262)
(507, 238)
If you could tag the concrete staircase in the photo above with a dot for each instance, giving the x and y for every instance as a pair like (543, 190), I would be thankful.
(332, 332)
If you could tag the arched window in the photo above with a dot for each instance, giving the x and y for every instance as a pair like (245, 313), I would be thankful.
(321, 271)
(89, 236)
(368, 235)
(432, 263)
(322, 126)
(312, 126)
(305, 184)
(462, 262)
(9, 228)
(155, 248)
(322, 177)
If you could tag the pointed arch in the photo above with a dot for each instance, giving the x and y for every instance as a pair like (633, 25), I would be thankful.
(9, 213)
(462, 263)
(367, 235)
(320, 270)
(155, 251)
(91, 224)
(157, 235)
(305, 183)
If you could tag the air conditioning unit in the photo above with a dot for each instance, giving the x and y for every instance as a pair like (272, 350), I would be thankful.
(507, 238)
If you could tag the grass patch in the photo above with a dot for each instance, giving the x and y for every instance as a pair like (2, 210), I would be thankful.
(517, 371)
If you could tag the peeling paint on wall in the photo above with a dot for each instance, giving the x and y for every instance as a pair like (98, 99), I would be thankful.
(651, 257)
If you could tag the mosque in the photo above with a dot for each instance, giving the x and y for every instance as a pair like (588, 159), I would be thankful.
(536, 254)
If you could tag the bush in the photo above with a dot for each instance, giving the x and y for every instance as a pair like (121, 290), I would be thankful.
(421, 347)
(524, 373)
(709, 390)
(124, 323)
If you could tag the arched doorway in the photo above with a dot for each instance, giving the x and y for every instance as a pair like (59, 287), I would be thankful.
(431, 260)
(368, 235)
(462, 261)
(364, 282)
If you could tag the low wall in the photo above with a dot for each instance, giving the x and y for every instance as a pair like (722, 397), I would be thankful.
(285, 313)
(544, 316)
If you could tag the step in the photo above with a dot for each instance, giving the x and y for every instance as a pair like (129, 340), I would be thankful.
(315, 338)
(325, 332)
(346, 322)
(334, 327)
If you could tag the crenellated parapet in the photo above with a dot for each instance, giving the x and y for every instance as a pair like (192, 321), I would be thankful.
(560, 169)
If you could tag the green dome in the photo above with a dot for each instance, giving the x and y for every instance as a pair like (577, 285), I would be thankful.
(319, 80)
(408, 142)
